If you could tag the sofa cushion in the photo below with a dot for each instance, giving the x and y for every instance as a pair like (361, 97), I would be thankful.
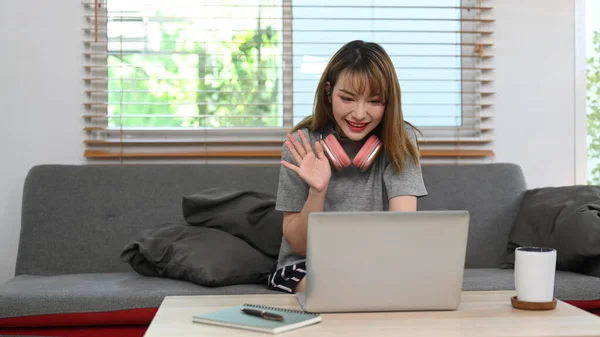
(567, 286)
(248, 215)
(565, 218)
(202, 255)
(36, 295)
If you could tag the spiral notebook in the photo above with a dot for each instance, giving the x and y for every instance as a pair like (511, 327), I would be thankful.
(233, 317)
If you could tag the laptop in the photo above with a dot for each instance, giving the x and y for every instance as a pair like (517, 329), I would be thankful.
(385, 261)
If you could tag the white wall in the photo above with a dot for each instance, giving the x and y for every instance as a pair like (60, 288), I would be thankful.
(535, 89)
(41, 94)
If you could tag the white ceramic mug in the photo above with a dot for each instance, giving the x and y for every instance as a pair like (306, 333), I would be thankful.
(535, 269)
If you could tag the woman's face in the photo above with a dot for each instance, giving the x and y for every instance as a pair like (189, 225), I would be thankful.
(357, 114)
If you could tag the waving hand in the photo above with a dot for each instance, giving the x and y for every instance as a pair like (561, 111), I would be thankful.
(313, 168)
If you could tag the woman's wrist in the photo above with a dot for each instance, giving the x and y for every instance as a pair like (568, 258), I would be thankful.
(318, 192)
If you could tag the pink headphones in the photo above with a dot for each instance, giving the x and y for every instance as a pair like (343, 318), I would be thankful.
(340, 160)
(338, 157)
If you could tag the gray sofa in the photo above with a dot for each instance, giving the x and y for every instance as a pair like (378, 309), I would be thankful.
(76, 219)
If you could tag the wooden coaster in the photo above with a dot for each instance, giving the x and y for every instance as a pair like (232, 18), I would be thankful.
(532, 305)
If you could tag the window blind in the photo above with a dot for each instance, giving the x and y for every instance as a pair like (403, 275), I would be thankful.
(226, 80)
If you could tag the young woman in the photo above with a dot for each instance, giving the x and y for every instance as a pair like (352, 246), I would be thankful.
(354, 153)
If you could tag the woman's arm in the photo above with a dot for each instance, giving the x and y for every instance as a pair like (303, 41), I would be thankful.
(403, 203)
(295, 223)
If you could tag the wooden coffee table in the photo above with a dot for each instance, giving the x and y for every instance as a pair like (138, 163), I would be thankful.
(482, 313)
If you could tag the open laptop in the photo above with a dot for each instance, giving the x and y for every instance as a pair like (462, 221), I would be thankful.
(385, 261)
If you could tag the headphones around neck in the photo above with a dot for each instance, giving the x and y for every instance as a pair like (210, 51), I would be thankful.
(338, 157)
(340, 160)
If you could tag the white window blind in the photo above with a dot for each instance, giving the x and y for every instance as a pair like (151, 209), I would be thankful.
(226, 80)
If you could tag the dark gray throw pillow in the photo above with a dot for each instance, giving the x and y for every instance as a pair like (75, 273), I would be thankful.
(205, 256)
(591, 267)
(248, 215)
(565, 218)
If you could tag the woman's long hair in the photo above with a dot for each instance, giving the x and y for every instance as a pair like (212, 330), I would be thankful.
(366, 64)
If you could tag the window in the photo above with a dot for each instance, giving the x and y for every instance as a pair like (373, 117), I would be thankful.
(592, 51)
(227, 78)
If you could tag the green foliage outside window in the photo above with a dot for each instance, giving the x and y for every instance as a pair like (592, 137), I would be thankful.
(189, 83)
(593, 109)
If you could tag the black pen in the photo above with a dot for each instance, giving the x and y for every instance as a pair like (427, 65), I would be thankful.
(263, 314)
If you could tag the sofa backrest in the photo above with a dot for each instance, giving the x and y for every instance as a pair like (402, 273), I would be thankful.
(78, 218)
(492, 194)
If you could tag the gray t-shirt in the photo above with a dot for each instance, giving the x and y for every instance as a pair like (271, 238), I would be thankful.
(349, 190)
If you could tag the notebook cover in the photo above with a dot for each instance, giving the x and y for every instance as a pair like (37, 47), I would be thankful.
(233, 317)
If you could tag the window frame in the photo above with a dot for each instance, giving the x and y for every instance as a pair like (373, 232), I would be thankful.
(470, 119)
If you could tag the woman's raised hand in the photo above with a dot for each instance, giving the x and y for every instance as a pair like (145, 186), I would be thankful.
(315, 170)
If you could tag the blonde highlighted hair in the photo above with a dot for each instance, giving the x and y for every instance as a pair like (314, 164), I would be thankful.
(367, 65)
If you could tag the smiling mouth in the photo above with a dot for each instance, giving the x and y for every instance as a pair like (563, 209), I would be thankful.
(356, 125)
